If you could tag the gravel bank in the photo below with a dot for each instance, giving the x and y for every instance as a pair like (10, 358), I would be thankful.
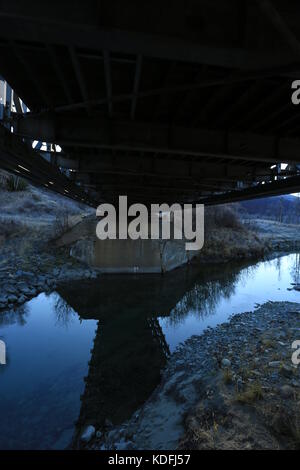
(24, 277)
(30, 264)
(234, 387)
(29, 261)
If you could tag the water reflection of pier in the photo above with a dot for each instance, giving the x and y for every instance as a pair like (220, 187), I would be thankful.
(130, 349)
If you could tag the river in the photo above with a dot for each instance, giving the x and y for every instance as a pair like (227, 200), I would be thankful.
(92, 352)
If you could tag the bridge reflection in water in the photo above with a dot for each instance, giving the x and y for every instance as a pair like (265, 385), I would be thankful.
(134, 321)
(129, 348)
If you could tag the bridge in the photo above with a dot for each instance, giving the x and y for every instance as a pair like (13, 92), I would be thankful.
(162, 101)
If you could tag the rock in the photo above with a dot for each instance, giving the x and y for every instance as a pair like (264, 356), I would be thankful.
(11, 289)
(281, 335)
(248, 354)
(226, 362)
(108, 423)
(22, 285)
(88, 433)
(295, 383)
(18, 273)
(274, 364)
(123, 445)
(257, 373)
(26, 274)
(22, 299)
(286, 391)
(98, 434)
(28, 292)
(12, 299)
(286, 371)
(40, 286)
(113, 435)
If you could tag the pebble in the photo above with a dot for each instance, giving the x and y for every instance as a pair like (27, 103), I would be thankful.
(286, 391)
(286, 371)
(274, 364)
(20, 286)
(226, 362)
(223, 345)
(88, 433)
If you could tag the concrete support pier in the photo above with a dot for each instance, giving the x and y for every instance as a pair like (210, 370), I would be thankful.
(124, 256)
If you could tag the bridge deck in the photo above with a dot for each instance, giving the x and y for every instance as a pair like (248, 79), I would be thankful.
(162, 101)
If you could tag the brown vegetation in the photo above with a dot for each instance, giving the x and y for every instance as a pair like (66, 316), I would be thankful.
(12, 183)
(226, 237)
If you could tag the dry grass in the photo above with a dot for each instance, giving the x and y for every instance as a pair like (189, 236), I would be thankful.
(227, 238)
(12, 183)
(62, 223)
(285, 424)
(225, 216)
(227, 377)
(11, 228)
(228, 243)
(269, 343)
(252, 394)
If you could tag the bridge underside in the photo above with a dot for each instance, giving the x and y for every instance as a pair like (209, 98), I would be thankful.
(161, 101)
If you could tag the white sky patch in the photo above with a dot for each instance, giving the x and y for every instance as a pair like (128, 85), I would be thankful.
(44, 146)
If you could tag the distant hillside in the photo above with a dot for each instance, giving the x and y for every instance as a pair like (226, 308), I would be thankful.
(284, 209)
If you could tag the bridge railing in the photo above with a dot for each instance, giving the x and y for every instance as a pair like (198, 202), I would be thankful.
(11, 103)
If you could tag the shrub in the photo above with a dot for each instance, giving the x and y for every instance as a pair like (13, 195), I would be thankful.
(286, 423)
(36, 197)
(14, 183)
(62, 224)
(10, 228)
(227, 377)
(2, 181)
(252, 394)
(222, 216)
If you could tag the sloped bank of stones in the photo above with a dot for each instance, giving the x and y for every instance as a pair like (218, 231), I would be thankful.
(19, 286)
(233, 387)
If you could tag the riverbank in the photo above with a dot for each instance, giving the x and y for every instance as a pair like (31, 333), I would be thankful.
(249, 240)
(29, 261)
(233, 387)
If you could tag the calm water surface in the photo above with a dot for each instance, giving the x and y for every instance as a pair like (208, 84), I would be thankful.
(93, 352)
